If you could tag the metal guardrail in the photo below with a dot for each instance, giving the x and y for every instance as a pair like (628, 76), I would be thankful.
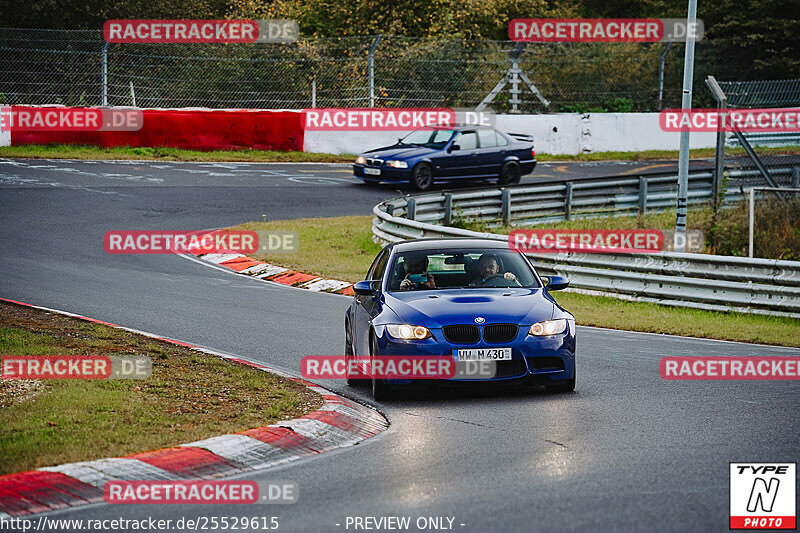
(712, 282)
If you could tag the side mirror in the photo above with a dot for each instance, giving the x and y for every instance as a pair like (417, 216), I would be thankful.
(366, 287)
(454, 147)
(555, 283)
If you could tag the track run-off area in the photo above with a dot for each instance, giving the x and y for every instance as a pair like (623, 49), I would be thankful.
(627, 451)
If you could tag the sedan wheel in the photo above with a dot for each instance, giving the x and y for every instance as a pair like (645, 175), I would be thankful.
(422, 177)
(348, 355)
(510, 174)
(380, 390)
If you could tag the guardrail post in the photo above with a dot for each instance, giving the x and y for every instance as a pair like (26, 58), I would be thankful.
(568, 201)
(448, 208)
(411, 208)
(390, 209)
(795, 177)
(104, 76)
(642, 195)
(506, 207)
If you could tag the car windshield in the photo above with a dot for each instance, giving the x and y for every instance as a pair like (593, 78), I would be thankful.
(435, 138)
(460, 268)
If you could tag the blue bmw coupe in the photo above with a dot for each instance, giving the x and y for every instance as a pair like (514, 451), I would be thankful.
(454, 153)
(464, 299)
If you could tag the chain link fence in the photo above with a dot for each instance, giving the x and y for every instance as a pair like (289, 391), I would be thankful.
(67, 67)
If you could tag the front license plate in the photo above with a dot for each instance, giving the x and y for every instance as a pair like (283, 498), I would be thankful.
(372, 171)
(483, 354)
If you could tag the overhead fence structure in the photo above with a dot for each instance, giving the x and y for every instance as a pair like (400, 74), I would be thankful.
(711, 282)
(763, 149)
(77, 68)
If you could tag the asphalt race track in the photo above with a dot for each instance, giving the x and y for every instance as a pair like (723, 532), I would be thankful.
(628, 451)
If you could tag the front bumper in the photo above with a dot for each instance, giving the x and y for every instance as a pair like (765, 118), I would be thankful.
(550, 358)
(387, 174)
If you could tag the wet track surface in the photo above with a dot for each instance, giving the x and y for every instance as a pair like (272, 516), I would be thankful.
(627, 451)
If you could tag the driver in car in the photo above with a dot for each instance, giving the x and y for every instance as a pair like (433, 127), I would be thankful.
(416, 277)
(489, 267)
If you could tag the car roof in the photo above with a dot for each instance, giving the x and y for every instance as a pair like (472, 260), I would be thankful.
(444, 244)
(460, 127)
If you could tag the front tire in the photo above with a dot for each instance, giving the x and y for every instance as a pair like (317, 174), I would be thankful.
(380, 390)
(510, 174)
(348, 354)
(567, 385)
(422, 177)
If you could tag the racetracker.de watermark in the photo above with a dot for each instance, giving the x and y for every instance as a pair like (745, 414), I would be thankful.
(75, 367)
(200, 492)
(21, 118)
(630, 241)
(730, 368)
(377, 119)
(200, 31)
(394, 367)
(744, 120)
(200, 242)
(604, 30)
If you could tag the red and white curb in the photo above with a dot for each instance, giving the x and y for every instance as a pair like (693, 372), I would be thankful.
(267, 272)
(339, 422)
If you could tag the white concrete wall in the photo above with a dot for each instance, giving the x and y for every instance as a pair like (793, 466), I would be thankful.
(5, 138)
(562, 133)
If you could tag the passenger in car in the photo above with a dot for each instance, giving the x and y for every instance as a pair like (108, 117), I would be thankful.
(416, 275)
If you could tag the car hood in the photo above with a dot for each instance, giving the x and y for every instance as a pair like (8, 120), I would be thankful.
(400, 152)
(446, 307)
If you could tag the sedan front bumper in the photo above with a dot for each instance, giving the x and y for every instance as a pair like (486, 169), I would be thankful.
(545, 357)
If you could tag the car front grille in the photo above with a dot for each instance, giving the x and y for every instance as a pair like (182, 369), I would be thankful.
(495, 333)
(371, 162)
(462, 334)
(545, 363)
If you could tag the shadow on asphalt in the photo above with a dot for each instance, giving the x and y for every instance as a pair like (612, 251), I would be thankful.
(415, 394)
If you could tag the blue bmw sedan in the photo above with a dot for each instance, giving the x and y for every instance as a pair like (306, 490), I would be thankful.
(467, 300)
(442, 154)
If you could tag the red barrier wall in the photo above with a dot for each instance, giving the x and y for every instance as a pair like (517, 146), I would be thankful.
(203, 129)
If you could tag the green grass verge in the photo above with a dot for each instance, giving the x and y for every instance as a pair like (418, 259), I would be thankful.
(59, 151)
(339, 248)
(190, 396)
(776, 234)
(342, 248)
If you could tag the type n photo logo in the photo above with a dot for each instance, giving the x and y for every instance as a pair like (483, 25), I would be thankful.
(763, 495)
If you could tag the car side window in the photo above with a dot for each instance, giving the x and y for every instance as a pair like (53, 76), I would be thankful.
(487, 138)
(468, 140)
(378, 266)
(501, 140)
(441, 136)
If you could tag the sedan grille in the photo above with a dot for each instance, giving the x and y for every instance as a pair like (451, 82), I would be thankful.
(374, 162)
(500, 332)
(462, 334)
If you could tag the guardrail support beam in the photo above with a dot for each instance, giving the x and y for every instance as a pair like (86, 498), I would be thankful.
(506, 207)
(568, 201)
(411, 208)
(448, 208)
(642, 195)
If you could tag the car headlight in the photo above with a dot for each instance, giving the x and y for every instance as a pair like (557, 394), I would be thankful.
(361, 160)
(407, 332)
(397, 164)
(548, 327)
